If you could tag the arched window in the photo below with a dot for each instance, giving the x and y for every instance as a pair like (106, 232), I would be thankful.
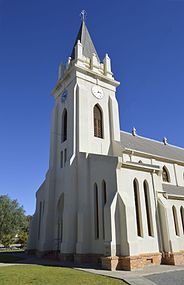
(165, 175)
(98, 121)
(175, 220)
(96, 215)
(148, 208)
(60, 210)
(39, 221)
(137, 208)
(104, 200)
(64, 126)
(182, 217)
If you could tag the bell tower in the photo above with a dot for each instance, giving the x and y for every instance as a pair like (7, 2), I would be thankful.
(85, 99)
(84, 138)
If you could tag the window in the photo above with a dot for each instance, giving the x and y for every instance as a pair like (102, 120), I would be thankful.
(165, 175)
(175, 220)
(182, 217)
(148, 208)
(137, 207)
(98, 122)
(39, 221)
(61, 160)
(64, 126)
(96, 216)
(60, 211)
(65, 155)
(43, 207)
(104, 200)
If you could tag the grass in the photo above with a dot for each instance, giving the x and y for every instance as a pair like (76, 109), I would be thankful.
(49, 275)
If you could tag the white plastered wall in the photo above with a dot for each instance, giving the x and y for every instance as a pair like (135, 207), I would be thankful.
(136, 245)
(108, 104)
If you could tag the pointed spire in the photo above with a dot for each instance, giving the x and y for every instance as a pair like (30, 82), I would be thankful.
(86, 41)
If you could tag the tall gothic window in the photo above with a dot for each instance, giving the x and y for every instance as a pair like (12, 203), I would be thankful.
(148, 208)
(104, 200)
(64, 126)
(182, 217)
(39, 221)
(96, 214)
(98, 121)
(165, 175)
(137, 208)
(60, 211)
(175, 220)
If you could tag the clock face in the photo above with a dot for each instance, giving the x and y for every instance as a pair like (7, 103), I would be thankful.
(64, 96)
(97, 91)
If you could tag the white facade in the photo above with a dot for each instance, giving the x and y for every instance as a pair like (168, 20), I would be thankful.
(104, 194)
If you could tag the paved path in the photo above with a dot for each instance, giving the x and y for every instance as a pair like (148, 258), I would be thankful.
(151, 275)
(169, 278)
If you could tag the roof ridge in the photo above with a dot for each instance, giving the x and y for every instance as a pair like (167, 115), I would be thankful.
(153, 140)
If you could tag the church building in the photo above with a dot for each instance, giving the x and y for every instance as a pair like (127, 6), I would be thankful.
(109, 196)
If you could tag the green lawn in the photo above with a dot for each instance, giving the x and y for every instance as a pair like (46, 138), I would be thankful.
(48, 275)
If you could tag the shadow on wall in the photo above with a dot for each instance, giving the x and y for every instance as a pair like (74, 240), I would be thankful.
(21, 257)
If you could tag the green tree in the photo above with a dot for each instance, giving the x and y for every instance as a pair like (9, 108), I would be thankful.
(12, 219)
(7, 239)
(22, 239)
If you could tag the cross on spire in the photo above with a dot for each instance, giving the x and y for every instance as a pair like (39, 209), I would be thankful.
(83, 15)
(84, 37)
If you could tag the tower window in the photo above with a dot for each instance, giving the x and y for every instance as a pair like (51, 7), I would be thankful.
(165, 175)
(64, 126)
(65, 155)
(104, 201)
(98, 122)
(39, 221)
(61, 159)
(96, 214)
(60, 210)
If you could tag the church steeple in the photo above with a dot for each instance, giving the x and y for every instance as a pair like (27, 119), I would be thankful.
(86, 41)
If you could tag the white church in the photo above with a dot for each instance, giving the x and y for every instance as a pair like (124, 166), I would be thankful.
(109, 196)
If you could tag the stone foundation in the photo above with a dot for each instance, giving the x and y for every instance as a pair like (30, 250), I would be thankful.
(175, 258)
(87, 258)
(66, 257)
(50, 254)
(31, 251)
(130, 262)
(115, 262)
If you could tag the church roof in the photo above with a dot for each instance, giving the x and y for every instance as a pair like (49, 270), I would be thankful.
(173, 189)
(155, 148)
(86, 41)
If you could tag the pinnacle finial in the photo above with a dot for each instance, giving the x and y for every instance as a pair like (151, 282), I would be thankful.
(83, 15)
(165, 141)
(134, 131)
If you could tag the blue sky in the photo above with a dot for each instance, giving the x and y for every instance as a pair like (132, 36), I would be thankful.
(145, 40)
